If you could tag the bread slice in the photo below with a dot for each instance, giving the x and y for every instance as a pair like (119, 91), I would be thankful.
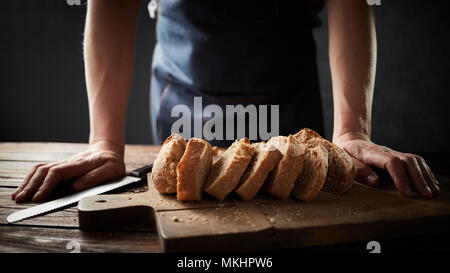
(341, 170)
(311, 179)
(263, 162)
(282, 179)
(228, 169)
(217, 152)
(164, 172)
(193, 169)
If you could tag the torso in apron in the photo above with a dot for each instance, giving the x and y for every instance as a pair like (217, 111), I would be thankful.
(254, 53)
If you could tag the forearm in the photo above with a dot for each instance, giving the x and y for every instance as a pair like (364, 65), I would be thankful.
(109, 60)
(352, 53)
(352, 42)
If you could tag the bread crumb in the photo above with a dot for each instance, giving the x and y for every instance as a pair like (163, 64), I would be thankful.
(272, 220)
(175, 219)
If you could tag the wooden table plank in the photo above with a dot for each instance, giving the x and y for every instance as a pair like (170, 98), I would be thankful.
(29, 151)
(37, 239)
(10, 182)
(33, 157)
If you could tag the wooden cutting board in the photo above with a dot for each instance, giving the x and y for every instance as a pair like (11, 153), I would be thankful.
(362, 213)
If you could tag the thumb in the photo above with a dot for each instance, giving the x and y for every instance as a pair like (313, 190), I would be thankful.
(365, 174)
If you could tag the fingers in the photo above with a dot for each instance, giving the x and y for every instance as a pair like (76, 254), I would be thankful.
(27, 179)
(415, 173)
(34, 183)
(108, 171)
(383, 158)
(398, 173)
(420, 170)
(426, 171)
(365, 174)
(407, 170)
(62, 172)
(44, 178)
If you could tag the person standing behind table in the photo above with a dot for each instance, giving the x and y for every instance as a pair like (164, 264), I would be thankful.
(109, 59)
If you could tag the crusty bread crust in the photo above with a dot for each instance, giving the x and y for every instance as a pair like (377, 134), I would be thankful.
(164, 172)
(312, 178)
(228, 169)
(217, 152)
(264, 161)
(282, 179)
(341, 170)
(307, 134)
(193, 169)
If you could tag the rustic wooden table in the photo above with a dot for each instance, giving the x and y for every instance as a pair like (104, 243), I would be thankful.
(58, 231)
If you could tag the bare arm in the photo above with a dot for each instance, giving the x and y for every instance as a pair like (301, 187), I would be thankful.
(353, 55)
(109, 59)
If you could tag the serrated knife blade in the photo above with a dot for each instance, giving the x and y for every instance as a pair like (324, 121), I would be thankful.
(65, 201)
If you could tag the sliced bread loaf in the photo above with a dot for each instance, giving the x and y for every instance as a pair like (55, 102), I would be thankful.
(311, 179)
(193, 169)
(341, 170)
(282, 179)
(264, 161)
(164, 173)
(228, 169)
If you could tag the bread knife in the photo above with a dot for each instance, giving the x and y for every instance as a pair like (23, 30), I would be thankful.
(134, 176)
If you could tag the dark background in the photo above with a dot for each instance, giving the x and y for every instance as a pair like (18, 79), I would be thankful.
(43, 94)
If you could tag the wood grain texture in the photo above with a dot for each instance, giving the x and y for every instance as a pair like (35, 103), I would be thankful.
(38, 239)
(10, 182)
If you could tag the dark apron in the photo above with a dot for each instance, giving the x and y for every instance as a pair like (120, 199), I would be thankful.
(235, 52)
